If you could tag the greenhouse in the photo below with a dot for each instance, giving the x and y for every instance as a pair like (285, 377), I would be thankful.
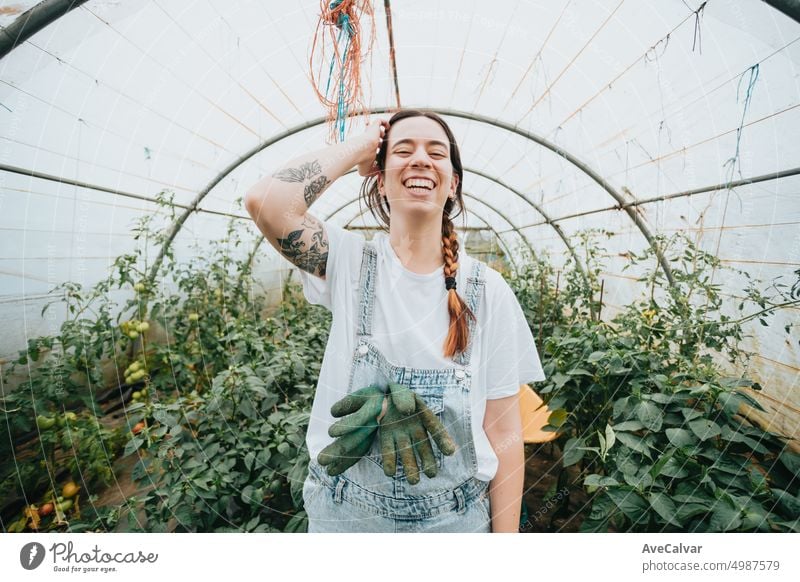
(631, 171)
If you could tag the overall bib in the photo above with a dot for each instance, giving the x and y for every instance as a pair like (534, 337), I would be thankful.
(363, 498)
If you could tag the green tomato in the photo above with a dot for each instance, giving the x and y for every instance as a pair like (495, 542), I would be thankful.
(144, 326)
(194, 316)
(139, 287)
(136, 395)
(44, 422)
(133, 334)
(134, 367)
(70, 416)
(143, 392)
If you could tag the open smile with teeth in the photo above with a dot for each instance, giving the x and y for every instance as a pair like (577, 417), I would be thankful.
(419, 185)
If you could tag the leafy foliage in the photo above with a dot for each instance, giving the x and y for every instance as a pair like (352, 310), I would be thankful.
(643, 410)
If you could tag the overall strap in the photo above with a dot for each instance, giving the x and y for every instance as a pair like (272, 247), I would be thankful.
(366, 302)
(475, 286)
(476, 283)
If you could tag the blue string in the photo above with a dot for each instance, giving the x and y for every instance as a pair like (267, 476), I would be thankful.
(751, 83)
(345, 27)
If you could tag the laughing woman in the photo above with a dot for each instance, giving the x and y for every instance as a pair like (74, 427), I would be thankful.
(415, 425)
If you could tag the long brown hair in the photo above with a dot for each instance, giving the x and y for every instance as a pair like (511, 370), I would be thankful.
(458, 335)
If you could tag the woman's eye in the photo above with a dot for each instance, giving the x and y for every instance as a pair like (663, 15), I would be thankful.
(437, 154)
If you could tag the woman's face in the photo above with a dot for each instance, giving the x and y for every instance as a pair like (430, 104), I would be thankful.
(418, 175)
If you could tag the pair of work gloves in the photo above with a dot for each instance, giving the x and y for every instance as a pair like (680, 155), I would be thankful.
(405, 431)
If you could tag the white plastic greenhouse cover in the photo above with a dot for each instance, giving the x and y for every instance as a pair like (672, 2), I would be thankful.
(564, 110)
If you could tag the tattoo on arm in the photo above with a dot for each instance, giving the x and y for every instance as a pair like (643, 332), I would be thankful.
(315, 189)
(309, 171)
(312, 259)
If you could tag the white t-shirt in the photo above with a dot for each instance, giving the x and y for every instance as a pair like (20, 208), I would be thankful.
(410, 325)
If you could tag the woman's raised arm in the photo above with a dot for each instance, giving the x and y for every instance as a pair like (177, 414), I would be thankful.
(279, 203)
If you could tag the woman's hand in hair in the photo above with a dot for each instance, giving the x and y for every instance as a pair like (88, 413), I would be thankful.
(371, 141)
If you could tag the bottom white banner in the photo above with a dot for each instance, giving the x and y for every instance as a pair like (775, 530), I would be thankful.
(390, 557)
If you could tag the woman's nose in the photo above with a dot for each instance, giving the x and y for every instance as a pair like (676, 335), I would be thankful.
(421, 158)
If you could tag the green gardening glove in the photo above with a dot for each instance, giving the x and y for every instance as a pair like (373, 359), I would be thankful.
(406, 430)
(355, 431)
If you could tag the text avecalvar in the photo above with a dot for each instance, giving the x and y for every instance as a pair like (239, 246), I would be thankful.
(671, 549)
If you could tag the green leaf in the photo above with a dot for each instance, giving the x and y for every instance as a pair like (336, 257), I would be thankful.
(659, 464)
(573, 452)
(787, 502)
(680, 437)
(660, 397)
(602, 440)
(192, 463)
(728, 434)
(634, 442)
(626, 464)
(595, 357)
(257, 386)
(249, 458)
(649, 415)
(622, 408)
(560, 379)
(664, 506)
(133, 445)
(579, 372)
(789, 525)
(629, 502)
(791, 461)
(165, 418)
(705, 428)
(557, 418)
(610, 437)
(249, 498)
(691, 413)
(600, 481)
(641, 479)
(674, 469)
(298, 523)
(686, 511)
(629, 425)
(731, 402)
(755, 518)
(724, 517)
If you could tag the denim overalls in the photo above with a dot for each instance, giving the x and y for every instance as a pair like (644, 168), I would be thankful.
(363, 498)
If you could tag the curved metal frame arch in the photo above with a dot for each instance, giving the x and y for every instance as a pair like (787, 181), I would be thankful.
(32, 21)
(547, 219)
(581, 166)
(448, 112)
(500, 240)
(48, 11)
(515, 228)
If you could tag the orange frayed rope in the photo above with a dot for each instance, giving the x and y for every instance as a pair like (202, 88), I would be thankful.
(343, 91)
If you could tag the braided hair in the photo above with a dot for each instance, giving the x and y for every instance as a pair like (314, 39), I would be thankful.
(460, 313)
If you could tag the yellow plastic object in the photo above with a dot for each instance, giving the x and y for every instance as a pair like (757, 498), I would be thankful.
(534, 413)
